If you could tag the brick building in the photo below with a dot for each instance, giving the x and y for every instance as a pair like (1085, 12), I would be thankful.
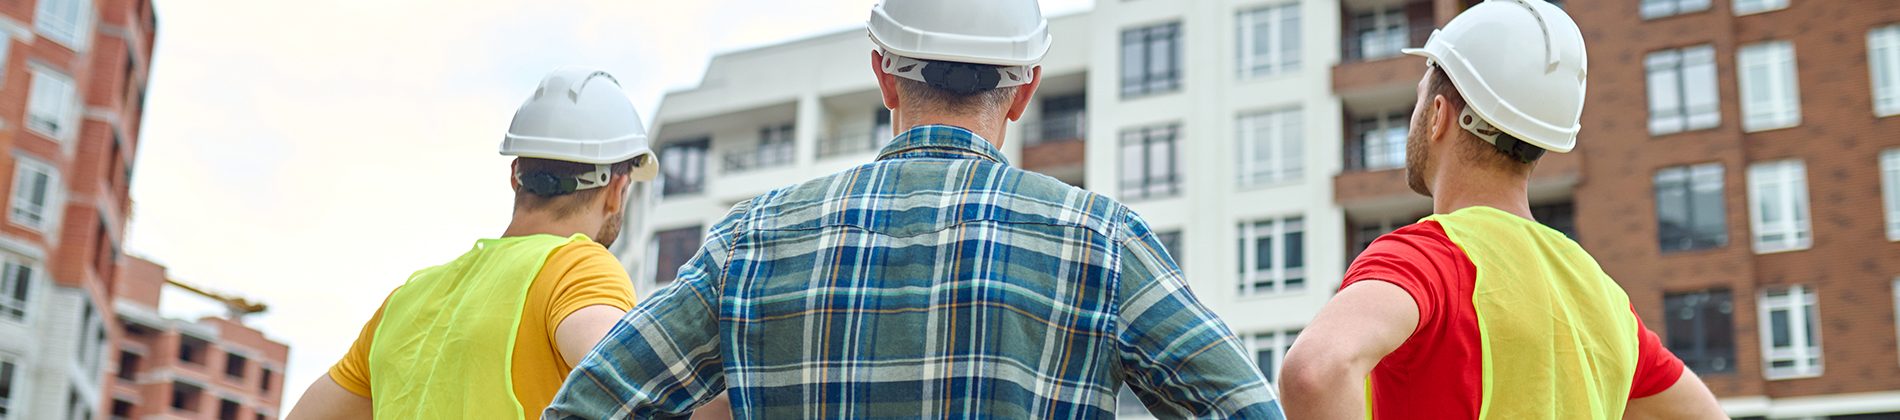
(213, 368)
(72, 87)
(1729, 175)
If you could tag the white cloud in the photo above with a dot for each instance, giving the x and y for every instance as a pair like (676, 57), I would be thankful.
(312, 154)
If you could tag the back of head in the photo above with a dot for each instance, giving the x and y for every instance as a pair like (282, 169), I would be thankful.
(1519, 67)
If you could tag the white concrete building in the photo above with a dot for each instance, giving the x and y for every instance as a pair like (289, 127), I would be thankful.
(52, 343)
(1214, 120)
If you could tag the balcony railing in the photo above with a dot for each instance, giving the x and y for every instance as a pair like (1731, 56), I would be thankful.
(854, 140)
(1065, 127)
(1373, 46)
(1373, 153)
(756, 158)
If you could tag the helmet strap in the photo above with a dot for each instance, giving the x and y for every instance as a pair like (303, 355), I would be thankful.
(551, 185)
(1510, 145)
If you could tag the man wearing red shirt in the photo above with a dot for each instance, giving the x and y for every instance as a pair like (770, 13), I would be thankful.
(1479, 311)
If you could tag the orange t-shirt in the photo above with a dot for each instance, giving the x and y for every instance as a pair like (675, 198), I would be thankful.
(576, 275)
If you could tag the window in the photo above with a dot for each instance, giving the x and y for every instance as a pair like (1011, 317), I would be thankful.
(1682, 94)
(105, 252)
(53, 107)
(34, 186)
(1378, 34)
(1744, 7)
(1889, 185)
(1269, 40)
(1149, 160)
(9, 376)
(1269, 147)
(185, 397)
(1659, 8)
(264, 378)
(76, 406)
(1770, 97)
(1272, 256)
(1778, 201)
(1560, 217)
(1883, 60)
(91, 346)
(228, 410)
(1171, 242)
(1151, 60)
(128, 365)
(1791, 345)
(1269, 351)
(1690, 213)
(1699, 328)
(684, 167)
(65, 21)
(674, 247)
(1379, 142)
(16, 282)
(121, 409)
(880, 126)
(1063, 118)
(234, 365)
(776, 145)
(192, 349)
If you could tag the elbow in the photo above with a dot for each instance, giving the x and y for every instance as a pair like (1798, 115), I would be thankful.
(1310, 373)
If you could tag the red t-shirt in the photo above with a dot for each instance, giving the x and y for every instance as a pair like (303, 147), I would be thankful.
(1436, 373)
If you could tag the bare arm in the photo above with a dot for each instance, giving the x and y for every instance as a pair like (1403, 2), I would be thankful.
(1326, 369)
(325, 400)
(578, 334)
(1689, 398)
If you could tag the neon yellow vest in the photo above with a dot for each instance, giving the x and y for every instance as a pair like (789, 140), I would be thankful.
(1557, 334)
(445, 346)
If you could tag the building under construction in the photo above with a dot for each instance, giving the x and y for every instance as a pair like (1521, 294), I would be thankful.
(210, 368)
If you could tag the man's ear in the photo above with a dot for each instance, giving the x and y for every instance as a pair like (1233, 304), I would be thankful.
(616, 193)
(1444, 120)
(514, 182)
(886, 83)
(1025, 94)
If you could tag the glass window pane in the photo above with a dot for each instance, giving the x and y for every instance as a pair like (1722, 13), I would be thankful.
(1295, 249)
(1778, 329)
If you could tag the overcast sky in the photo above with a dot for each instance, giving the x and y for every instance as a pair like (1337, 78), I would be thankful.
(312, 154)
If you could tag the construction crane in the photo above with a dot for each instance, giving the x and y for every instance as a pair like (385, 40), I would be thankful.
(235, 307)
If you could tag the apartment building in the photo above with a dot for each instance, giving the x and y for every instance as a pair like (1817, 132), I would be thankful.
(72, 89)
(1742, 180)
(1265, 139)
(213, 368)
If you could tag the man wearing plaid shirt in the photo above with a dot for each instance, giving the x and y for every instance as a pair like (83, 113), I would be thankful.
(935, 282)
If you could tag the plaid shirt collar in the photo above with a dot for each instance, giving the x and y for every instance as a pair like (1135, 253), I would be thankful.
(941, 141)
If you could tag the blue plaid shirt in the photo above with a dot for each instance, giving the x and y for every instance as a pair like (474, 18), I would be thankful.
(935, 282)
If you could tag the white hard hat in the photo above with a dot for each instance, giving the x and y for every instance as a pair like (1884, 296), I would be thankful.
(1520, 65)
(1009, 34)
(580, 115)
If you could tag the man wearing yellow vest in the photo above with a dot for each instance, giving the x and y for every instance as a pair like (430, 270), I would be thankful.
(493, 333)
(1478, 311)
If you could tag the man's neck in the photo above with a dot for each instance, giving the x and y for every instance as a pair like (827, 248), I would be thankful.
(1457, 190)
(991, 131)
(532, 223)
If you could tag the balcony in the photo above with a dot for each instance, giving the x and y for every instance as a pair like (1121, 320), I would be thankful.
(1372, 37)
(764, 156)
(1056, 146)
(853, 140)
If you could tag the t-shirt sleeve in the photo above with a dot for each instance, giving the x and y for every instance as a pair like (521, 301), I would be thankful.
(352, 373)
(1420, 259)
(588, 276)
(1657, 368)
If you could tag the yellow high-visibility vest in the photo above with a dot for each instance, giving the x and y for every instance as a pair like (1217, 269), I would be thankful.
(445, 346)
(1557, 334)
